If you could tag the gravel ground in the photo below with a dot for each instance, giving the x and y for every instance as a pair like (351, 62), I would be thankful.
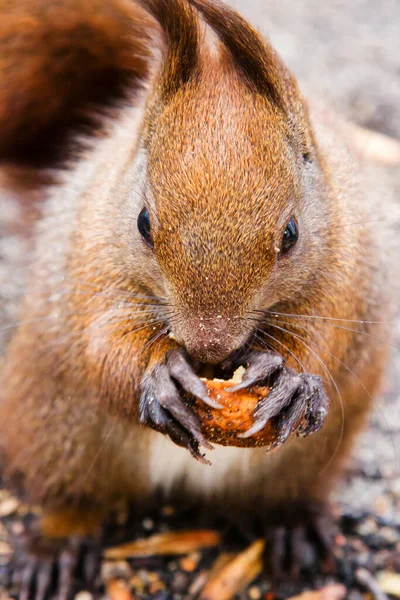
(348, 53)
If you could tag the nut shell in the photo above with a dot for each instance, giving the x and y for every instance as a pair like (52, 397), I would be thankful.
(223, 426)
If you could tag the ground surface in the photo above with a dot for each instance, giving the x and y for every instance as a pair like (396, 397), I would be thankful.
(347, 52)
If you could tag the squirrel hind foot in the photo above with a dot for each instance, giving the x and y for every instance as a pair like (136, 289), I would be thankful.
(45, 567)
(299, 540)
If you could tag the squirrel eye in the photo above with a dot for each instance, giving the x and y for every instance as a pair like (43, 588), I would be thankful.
(290, 236)
(144, 227)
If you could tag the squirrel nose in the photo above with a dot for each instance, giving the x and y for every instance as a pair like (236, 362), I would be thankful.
(209, 340)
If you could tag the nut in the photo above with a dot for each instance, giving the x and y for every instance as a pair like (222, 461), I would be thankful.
(223, 426)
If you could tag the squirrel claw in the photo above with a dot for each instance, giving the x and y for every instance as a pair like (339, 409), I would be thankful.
(183, 373)
(295, 401)
(162, 408)
(261, 365)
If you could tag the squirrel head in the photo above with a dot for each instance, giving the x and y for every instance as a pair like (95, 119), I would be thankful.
(229, 202)
(226, 183)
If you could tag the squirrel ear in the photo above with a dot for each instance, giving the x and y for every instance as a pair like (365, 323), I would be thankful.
(61, 65)
(261, 68)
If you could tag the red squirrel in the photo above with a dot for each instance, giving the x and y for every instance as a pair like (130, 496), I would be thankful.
(201, 213)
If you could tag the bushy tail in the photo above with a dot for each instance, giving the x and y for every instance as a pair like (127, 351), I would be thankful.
(60, 62)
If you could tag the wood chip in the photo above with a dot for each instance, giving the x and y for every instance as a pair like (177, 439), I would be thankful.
(376, 146)
(8, 507)
(330, 592)
(83, 596)
(183, 542)
(189, 563)
(389, 582)
(236, 575)
(197, 585)
(118, 590)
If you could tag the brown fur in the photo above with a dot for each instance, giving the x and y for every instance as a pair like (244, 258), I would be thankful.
(223, 153)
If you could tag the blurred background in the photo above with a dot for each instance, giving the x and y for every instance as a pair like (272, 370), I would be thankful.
(346, 51)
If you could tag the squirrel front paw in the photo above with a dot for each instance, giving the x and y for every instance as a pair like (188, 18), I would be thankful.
(162, 407)
(294, 398)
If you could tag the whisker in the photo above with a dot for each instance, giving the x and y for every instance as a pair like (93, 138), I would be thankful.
(56, 317)
(101, 446)
(353, 374)
(356, 223)
(152, 340)
(366, 333)
(304, 342)
(134, 331)
(116, 289)
(28, 322)
(110, 294)
(301, 364)
(321, 317)
(99, 288)
(124, 309)
(146, 325)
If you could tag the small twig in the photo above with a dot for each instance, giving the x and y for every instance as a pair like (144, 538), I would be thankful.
(365, 579)
(376, 146)
(118, 590)
(197, 585)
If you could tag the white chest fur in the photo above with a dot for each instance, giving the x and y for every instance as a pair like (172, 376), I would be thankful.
(171, 465)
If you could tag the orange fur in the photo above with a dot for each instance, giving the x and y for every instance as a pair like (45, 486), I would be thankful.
(223, 150)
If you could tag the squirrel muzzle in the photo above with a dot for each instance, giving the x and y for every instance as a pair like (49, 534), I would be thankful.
(210, 339)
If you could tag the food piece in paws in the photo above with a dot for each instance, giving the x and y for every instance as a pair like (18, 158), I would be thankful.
(224, 426)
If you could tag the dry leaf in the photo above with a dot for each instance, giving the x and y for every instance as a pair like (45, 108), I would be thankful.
(220, 563)
(204, 576)
(182, 542)
(226, 582)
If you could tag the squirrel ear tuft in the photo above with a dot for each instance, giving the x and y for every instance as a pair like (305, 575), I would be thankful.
(180, 26)
(62, 65)
(254, 57)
